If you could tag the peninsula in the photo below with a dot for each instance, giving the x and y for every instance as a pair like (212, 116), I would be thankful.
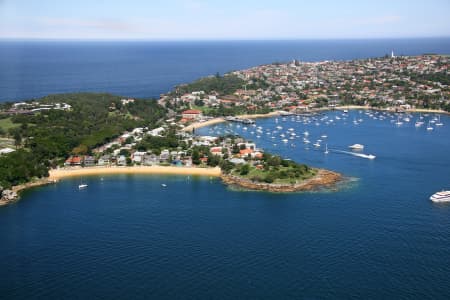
(46, 139)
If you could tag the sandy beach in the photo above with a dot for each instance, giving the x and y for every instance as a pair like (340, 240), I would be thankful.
(221, 120)
(203, 124)
(58, 174)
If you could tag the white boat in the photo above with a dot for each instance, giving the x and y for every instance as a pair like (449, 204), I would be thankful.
(418, 123)
(316, 145)
(439, 123)
(326, 149)
(163, 184)
(443, 196)
(82, 186)
(356, 147)
(429, 127)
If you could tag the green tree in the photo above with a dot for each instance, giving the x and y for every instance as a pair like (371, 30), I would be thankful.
(245, 169)
(196, 157)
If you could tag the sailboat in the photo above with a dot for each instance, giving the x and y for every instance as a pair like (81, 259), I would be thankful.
(429, 126)
(82, 185)
(439, 123)
(326, 148)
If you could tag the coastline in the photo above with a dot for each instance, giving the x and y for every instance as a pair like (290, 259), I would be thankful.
(197, 125)
(214, 121)
(57, 174)
(323, 179)
(21, 187)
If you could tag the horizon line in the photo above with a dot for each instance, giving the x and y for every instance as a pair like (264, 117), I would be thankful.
(213, 40)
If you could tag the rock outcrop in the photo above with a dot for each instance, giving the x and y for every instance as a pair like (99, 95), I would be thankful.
(323, 179)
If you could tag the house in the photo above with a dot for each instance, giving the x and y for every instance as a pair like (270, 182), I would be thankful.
(191, 114)
(6, 150)
(245, 152)
(104, 160)
(74, 161)
(237, 161)
(165, 155)
(89, 161)
(138, 156)
(150, 160)
(156, 132)
(216, 151)
(122, 160)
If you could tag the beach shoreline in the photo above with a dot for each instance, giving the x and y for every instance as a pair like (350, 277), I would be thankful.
(58, 174)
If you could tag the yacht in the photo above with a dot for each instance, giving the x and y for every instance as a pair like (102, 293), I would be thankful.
(356, 147)
(326, 148)
(82, 186)
(429, 126)
(443, 196)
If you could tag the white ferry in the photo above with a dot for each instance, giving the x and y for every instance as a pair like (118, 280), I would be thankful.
(356, 147)
(443, 196)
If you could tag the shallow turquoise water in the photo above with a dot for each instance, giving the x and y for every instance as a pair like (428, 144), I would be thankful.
(128, 237)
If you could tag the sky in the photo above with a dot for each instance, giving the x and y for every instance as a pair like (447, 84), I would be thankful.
(222, 20)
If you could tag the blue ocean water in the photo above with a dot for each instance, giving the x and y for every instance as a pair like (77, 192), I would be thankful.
(127, 237)
(378, 237)
(32, 69)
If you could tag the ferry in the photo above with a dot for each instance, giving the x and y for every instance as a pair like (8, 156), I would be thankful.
(443, 196)
(356, 147)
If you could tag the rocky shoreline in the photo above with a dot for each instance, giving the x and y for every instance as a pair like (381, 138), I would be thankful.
(323, 179)
(11, 195)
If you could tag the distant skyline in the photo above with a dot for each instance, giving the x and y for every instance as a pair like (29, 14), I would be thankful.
(222, 20)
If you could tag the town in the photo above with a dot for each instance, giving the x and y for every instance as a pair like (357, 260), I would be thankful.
(397, 82)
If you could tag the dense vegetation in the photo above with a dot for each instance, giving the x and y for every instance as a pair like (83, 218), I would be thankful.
(49, 136)
(223, 85)
(274, 169)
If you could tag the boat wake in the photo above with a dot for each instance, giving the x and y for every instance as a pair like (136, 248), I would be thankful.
(368, 156)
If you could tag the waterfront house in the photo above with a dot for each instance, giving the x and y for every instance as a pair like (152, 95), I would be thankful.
(138, 156)
(122, 160)
(89, 161)
(151, 159)
(104, 160)
(164, 156)
(191, 114)
(74, 161)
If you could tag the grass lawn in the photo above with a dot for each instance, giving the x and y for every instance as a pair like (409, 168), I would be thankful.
(6, 124)
(254, 172)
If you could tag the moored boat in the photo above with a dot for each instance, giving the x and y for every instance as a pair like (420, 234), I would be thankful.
(443, 196)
